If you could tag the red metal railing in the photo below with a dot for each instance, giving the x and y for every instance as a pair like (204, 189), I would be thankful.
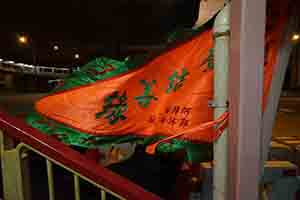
(18, 130)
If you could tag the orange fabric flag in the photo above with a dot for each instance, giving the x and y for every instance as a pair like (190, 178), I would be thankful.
(167, 96)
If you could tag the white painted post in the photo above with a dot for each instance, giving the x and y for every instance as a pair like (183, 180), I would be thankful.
(221, 62)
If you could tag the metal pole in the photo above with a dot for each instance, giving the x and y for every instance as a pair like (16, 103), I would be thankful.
(221, 59)
(247, 25)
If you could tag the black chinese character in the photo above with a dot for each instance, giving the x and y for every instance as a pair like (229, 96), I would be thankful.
(175, 110)
(186, 111)
(168, 109)
(172, 121)
(152, 119)
(183, 123)
(162, 119)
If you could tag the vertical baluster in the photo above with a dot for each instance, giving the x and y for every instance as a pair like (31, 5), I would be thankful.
(221, 55)
(103, 195)
(76, 187)
(50, 180)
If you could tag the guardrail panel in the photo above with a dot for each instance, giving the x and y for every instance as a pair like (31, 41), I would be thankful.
(73, 161)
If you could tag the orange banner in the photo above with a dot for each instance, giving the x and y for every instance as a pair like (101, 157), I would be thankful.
(166, 96)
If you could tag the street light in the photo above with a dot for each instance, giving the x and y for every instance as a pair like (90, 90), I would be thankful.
(76, 56)
(23, 39)
(26, 41)
(55, 47)
(296, 37)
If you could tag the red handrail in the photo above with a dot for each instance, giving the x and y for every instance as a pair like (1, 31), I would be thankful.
(17, 129)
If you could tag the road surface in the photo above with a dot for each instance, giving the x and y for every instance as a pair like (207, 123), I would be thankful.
(18, 104)
(288, 117)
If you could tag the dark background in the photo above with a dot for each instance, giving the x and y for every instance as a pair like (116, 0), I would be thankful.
(89, 27)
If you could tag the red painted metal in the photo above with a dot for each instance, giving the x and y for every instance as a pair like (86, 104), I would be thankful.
(17, 129)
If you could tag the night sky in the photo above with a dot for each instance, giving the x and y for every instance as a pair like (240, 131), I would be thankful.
(88, 27)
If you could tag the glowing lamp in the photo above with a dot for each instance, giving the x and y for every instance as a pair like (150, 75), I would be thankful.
(23, 40)
(296, 37)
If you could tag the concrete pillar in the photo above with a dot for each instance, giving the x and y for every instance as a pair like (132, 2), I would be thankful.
(245, 97)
